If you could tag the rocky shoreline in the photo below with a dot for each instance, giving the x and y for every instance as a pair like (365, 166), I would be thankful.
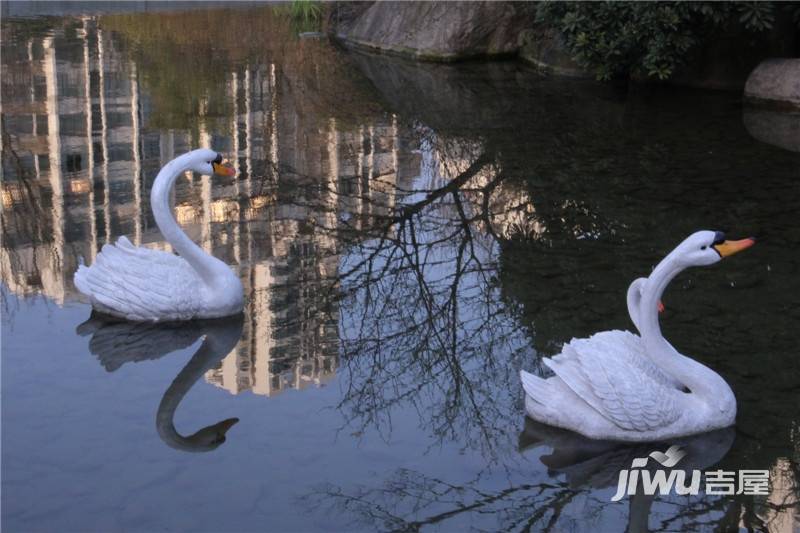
(764, 69)
(455, 31)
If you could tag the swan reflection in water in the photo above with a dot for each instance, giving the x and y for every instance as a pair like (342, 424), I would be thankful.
(596, 464)
(571, 494)
(115, 343)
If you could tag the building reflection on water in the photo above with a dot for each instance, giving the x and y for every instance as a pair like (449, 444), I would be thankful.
(79, 153)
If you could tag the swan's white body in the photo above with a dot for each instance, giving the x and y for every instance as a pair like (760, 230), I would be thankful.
(616, 385)
(140, 284)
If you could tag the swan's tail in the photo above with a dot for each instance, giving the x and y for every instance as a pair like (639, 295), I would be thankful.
(538, 389)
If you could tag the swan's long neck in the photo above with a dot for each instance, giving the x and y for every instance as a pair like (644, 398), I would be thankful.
(220, 339)
(634, 300)
(193, 370)
(205, 265)
(699, 379)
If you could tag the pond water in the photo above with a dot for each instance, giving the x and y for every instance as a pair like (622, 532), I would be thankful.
(409, 237)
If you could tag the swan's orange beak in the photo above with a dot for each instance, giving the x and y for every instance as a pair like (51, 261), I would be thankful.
(726, 248)
(223, 169)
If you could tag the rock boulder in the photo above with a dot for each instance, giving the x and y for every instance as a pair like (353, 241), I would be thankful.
(441, 31)
(778, 128)
(776, 81)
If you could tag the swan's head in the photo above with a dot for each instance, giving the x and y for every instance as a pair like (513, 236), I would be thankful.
(208, 162)
(209, 438)
(707, 247)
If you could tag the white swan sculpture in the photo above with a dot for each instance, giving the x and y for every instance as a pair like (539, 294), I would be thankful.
(140, 284)
(618, 386)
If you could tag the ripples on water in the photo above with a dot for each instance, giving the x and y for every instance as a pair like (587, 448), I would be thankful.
(409, 236)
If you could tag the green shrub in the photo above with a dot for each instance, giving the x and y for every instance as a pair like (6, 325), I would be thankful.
(306, 15)
(648, 39)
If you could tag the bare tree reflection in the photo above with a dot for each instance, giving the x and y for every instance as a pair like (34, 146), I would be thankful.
(421, 323)
(410, 501)
(570, 497)
(24, 221)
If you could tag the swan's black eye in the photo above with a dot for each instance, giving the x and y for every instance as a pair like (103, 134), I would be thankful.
(703, 247)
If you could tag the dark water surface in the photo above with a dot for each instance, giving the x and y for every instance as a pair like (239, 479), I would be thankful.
(409, 236)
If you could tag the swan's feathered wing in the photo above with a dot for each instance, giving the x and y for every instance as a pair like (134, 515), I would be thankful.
(140, 284)
(610, 372)
(116, 342)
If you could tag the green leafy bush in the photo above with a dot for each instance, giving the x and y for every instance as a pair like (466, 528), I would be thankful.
(647, 39)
